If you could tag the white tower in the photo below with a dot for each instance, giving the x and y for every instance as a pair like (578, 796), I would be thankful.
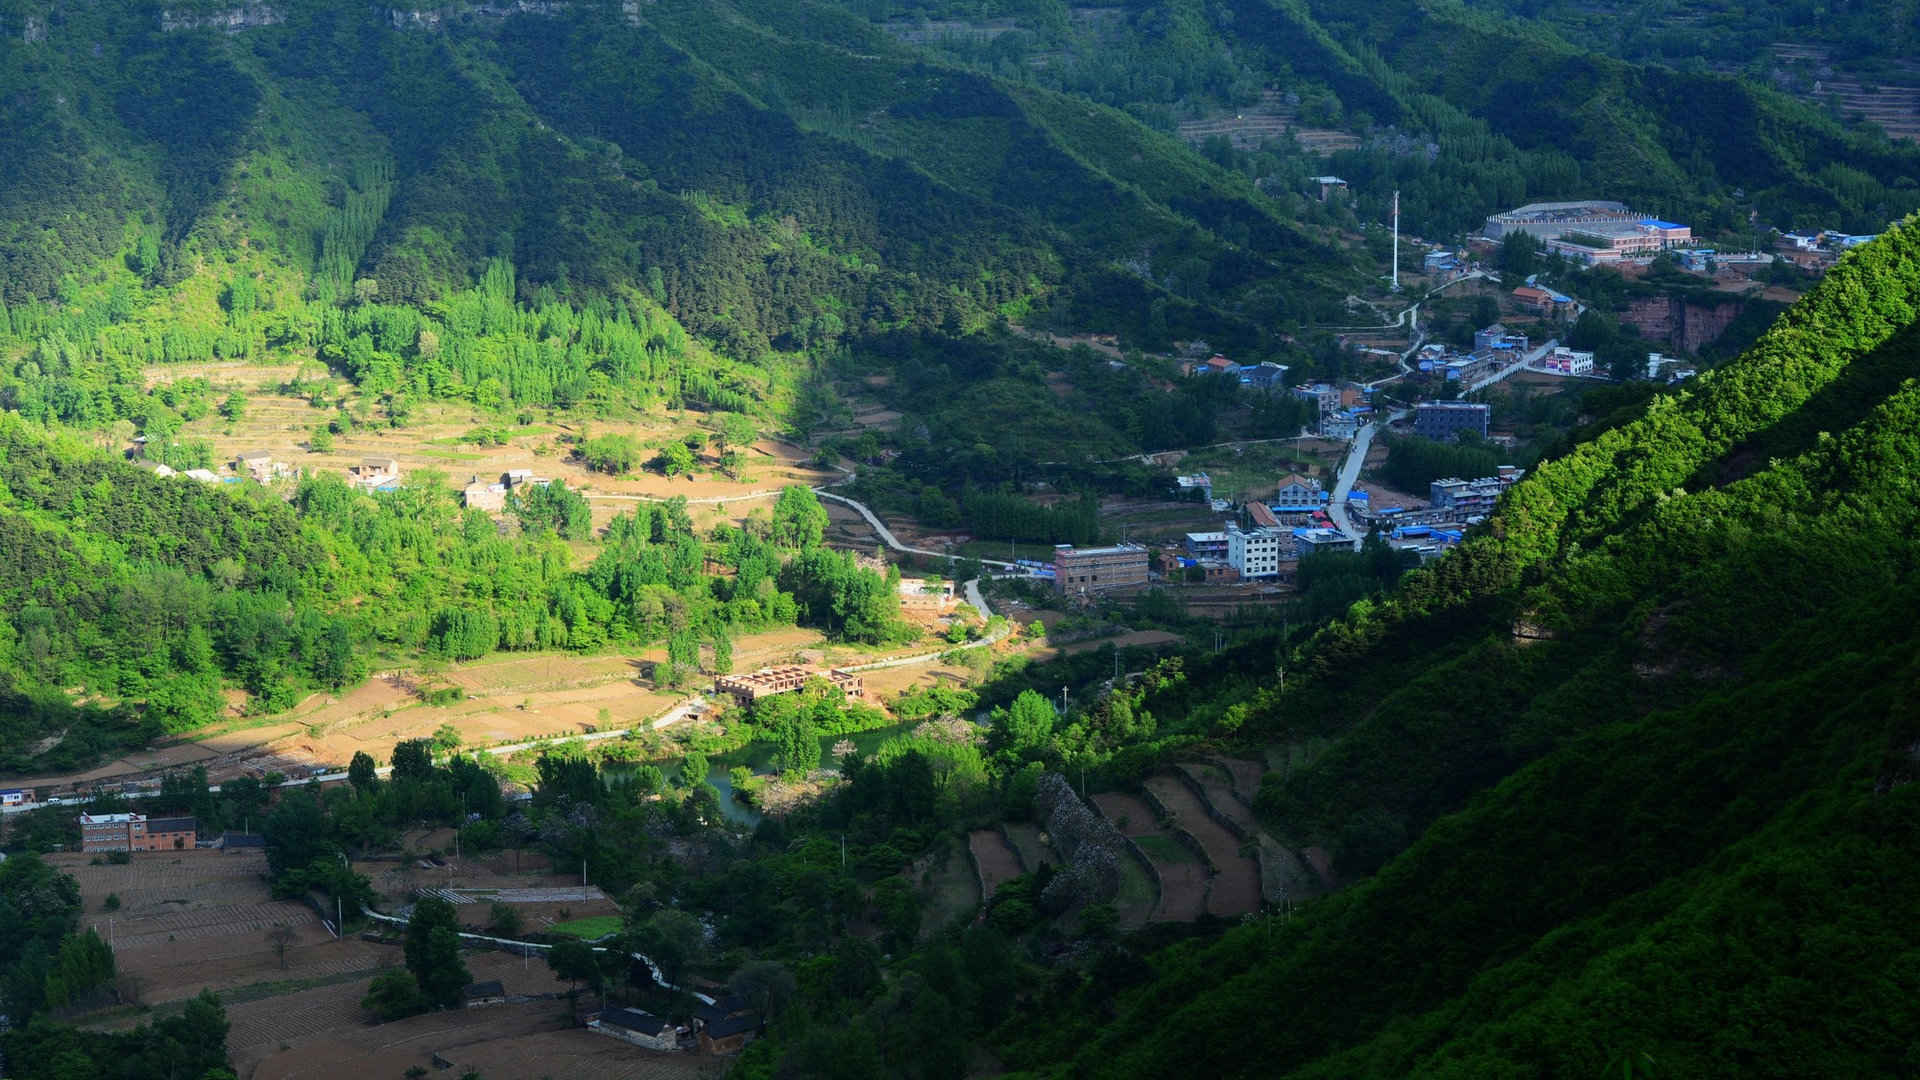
(1396, 241)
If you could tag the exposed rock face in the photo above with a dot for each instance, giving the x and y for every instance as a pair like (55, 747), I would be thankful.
(1090, 844)
(438, 18)
(231, 21)
(1686, 325)
(35, 30)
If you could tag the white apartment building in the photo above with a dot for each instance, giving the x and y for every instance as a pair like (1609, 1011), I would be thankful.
(1258, 553)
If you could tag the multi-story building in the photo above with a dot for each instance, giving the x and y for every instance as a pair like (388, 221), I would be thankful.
(1091, 570)
(134, 832)
(1472, 496)
(1257, 553)
(1497, 338)
(1206, 545)
(1310, 541)
(1565, 361)
(1443, 421)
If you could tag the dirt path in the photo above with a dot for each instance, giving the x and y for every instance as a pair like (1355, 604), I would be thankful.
(998, 864)
(1236, 888)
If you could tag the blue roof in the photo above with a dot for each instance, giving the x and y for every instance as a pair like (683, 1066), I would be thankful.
(1658, 224)
(1292, 508)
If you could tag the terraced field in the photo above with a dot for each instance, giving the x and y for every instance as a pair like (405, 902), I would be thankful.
(1028, 845)
(1183, 878)
(998, 863)
(1236, 886)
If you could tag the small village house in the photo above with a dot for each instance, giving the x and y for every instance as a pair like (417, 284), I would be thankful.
(636, 1027)
(481, 994)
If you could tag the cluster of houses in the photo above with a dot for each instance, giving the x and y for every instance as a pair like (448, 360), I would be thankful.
(260, 466)
(721, 1026)
(1264, 376)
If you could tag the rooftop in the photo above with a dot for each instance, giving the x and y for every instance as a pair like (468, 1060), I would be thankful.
(173, 824)
(491, 988)
(1455, 405)
(732, 1025)
(635, 1020)
(1116, 549)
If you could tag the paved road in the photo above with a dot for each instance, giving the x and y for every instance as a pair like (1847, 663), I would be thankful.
(1518, 365)
(1350, 474)
(893, 542)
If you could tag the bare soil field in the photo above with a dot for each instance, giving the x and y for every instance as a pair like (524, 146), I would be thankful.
(198, 920)
(1236, 888)
(1219, 789)
(1183, 882)
(1136, 638)
(509, 698)
(998, 863)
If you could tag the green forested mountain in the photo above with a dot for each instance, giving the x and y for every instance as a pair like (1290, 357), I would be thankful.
(767, 182)
(1638, 760)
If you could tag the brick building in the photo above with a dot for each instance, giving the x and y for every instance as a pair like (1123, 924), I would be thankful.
(1090, 570)
(749, 688)
(134, 832)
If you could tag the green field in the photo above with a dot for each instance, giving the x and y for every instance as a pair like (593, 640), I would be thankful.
(1165, 849)
(591, 928)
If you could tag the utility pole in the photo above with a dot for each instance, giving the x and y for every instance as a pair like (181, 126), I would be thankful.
(1396, 240)
(1063, 701)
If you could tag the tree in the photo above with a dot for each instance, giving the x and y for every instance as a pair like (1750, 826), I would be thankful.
(321, 441)
(675, 458)
(674, 941)
(612, 454)
(765, 985)
(433, 952)
(362, 773)
(573, 960)
(1024, 727)
(280, 938)
(446, 739)
(394, 995)
(413, 760)
(503, 920)
(799, 521)
(234, 407)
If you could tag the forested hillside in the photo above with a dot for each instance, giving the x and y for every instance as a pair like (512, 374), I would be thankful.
(1464, 111)
(1636, 765)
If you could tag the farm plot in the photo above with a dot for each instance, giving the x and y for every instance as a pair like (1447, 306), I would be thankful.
(1236, 887)
(1183, 878)
(1246, 776)
(1030, 846)
(1218, 788)
(949, 889)
(996, 860)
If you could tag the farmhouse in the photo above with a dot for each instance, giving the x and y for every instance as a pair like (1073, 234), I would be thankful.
(375, 474)
(489, 497)
(258, 464)
(636, 1027)
(725, 1026)
(728, 1036)
(157, 468)
(925, 594)
(749, 688)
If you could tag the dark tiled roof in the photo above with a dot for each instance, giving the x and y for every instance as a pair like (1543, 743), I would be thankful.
(243, 839)
(173, 824)
(721, 1009)
(635, 1020)
(485, 989)
(732, 1025)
